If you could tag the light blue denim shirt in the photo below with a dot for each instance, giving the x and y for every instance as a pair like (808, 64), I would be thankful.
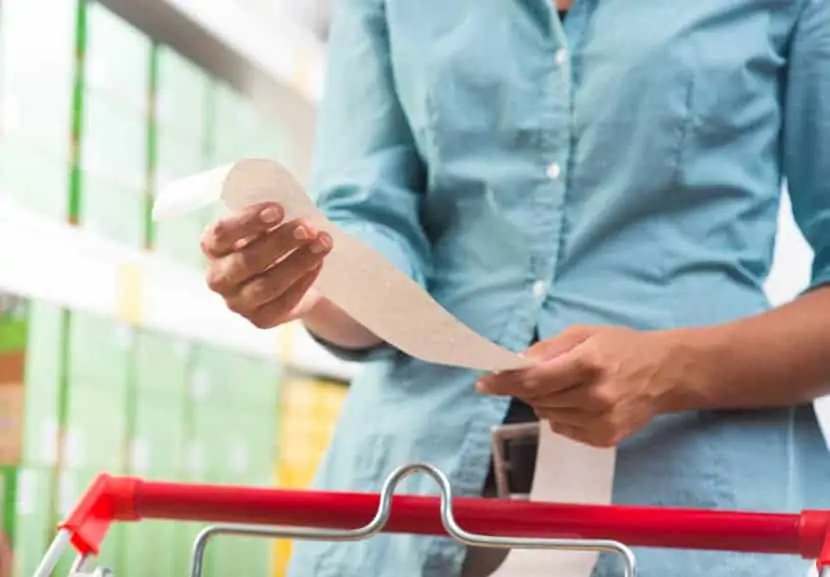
(624, 167)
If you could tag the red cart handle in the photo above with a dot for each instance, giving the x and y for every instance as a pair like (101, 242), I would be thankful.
(110, 499)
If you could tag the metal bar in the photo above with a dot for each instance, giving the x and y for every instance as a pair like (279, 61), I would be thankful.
(449, 524)
(448, 521)
(81, 563)
(53, 555)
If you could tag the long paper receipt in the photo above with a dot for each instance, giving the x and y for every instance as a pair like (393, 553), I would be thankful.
(354, 276)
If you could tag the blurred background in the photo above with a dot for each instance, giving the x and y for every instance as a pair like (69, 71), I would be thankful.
(113, 355)
(108, 362)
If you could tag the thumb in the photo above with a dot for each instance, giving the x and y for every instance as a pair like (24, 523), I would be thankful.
(562, 343)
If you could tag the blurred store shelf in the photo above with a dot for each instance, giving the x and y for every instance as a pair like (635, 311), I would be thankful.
(78, 269)
(270, 56)
(273, 41)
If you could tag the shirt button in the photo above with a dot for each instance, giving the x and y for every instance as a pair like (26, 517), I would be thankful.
(554, 171)
(561, 56)
(540, 288)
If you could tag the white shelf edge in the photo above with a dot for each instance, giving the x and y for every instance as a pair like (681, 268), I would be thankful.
(77, 270)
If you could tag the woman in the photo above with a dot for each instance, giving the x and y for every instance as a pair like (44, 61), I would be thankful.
(603, 183)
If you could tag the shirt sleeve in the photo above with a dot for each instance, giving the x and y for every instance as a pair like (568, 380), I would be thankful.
(807, 133)
(368, 177)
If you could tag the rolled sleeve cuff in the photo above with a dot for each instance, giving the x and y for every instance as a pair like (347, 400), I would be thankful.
(353, 355)
(387, 243)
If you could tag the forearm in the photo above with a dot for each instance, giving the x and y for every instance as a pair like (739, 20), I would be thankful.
(778, 358)
(331, 324)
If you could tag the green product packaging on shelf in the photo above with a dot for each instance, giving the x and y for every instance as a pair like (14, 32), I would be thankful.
(38, 112)
(151, 548)
(162, 363)
(212, 381)
(116, 57)
(211, 427)
(243, 556)
(195, 456)
(241, 130)
(33, 523)
(113, 211)
(96, 430)
(114, 141)
(182, 96)
(35, 180)
(236, 119)
(31, 370)
(179, 241)
(176, 156)
(42, 383)
(99, 354)
(97, 397)
(8, 492)
(157, 439)
(37, 73)
(12, 334)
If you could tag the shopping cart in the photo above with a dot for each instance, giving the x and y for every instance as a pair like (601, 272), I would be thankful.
(498, 523)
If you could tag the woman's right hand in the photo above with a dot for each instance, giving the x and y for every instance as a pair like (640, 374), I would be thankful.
(264, 267)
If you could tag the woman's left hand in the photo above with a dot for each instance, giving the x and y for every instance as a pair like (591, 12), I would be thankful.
(597, 384)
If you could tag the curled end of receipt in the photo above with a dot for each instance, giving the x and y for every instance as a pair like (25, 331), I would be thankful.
(237, 185)
(184, 196)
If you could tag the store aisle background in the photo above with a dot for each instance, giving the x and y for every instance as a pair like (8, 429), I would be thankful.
(96, 116)
(96, 113)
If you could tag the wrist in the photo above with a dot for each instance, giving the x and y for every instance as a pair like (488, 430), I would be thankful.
(697, 367)
(330, 323)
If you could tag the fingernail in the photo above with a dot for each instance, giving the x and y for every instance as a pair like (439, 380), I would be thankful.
(300, 233)
(320, 245)
(271, 215)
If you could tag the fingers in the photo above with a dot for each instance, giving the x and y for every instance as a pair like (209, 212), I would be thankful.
(229, 273)
(562, 343)
(561, 367)
(575, 433)
(558, 374)
(222, 237)
(279, 280)
(263, 266)
(593, 433)
(592, 397)
(280, 309)
(571, 417)
(578, 426)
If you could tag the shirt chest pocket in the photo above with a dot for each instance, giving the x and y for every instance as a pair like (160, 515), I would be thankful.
(467, 70)
(734, 90)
